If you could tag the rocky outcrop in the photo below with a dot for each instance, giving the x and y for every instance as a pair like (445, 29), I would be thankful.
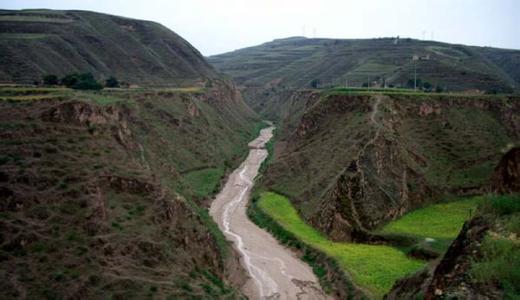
(506, 177)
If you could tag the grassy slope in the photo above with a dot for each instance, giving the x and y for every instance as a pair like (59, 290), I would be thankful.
(70, 166)
(38, 42)
(295, 62)
(374, 268)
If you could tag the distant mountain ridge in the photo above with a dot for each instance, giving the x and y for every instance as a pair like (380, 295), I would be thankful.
(298, 61)
(36, 42)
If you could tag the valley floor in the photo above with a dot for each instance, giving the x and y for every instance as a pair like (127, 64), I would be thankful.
(275, 272)
(374, 268)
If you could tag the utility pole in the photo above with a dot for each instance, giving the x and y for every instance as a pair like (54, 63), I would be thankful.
(368, 81)
(414, 75)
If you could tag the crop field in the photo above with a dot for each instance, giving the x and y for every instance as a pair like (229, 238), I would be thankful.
(373, 267)
(441, 222)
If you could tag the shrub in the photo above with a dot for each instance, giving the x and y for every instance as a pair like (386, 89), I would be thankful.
(505, 204)
(50, 80)
(500, 263)
(112, 82)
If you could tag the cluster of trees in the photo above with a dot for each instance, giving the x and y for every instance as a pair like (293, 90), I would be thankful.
(424, 85)
(80, 81)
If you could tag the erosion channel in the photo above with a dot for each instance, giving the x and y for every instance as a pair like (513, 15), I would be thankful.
(274, 271)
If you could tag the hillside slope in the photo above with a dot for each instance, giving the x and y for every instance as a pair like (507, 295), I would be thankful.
(98, 198)
(351, 162)
(294, 63)
(39, 42)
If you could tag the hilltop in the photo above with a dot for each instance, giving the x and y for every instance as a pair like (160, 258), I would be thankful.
(297, 62)
(39, 42)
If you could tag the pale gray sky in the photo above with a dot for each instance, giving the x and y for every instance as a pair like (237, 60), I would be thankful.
(217, 26)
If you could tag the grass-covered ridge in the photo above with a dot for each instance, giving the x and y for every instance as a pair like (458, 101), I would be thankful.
(373, 267)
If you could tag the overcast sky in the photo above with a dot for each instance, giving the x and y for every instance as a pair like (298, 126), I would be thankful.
(217, 26)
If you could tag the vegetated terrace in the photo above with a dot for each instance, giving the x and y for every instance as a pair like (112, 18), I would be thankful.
(373, 267)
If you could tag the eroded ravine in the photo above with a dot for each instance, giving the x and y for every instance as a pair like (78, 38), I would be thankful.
(275, 272)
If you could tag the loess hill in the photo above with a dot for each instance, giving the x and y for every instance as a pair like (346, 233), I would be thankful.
(268, 71)
(100, 192)
(103, 194)
(39, 42)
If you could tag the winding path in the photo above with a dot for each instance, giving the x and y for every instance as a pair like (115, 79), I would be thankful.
(274, 271)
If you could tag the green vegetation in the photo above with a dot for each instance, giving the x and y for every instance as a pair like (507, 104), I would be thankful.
(84, 81)
(441, 222)
(373, 267)
(50, 80)
(500, 260)
(206, 181)
(500, 263)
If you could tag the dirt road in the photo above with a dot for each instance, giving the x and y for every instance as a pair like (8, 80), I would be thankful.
(274, 271)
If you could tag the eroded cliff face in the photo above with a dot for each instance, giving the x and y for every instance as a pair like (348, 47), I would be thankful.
(506, 177)
(93, 204)
(358, 161)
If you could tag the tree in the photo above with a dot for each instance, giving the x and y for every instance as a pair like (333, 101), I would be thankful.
(111, 82)
(84, 81)
(439, 89)
(50, 80)
(70, 79)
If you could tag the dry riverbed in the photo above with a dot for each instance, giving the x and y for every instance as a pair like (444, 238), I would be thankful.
(274, 271)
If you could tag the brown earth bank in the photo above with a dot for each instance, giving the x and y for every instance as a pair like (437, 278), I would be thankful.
(353, 161)
(506, 177)
(93, 200)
